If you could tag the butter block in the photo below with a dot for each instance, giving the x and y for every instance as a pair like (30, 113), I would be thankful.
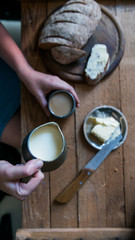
(104, 127)
(107, 121)
(102, 132)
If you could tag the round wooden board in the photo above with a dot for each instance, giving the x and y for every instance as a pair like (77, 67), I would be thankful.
(108, 32)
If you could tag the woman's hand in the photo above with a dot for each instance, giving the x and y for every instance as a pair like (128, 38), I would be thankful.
(11, 175)
(40, 84)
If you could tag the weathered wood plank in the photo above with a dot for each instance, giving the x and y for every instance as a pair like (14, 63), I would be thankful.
(115, 202)
(76, 234)
(32, 114)
(63, 215)
(101, 200)
(126, 13)
(107, 198)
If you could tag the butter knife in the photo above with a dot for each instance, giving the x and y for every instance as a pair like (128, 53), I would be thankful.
(68, 193)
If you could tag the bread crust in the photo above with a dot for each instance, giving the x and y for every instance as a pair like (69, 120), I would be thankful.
(60, 30)
(99, 77)
(53, 41)
(74, 22)
(66, 55)
(72, 17)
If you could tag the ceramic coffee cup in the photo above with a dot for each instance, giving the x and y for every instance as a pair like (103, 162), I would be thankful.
(61, 103)
(46, 142)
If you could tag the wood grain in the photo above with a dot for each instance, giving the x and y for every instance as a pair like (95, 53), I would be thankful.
(73, 234)
(104, 206)
(127, 85)
(32, 114)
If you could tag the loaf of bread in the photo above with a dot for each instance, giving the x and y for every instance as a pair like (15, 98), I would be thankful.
(65, 55)
(97, 64)
(69, 28)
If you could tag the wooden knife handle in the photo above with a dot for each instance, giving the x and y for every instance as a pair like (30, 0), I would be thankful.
(74, 186)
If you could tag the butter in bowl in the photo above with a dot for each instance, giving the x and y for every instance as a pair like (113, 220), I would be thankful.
(101, 123)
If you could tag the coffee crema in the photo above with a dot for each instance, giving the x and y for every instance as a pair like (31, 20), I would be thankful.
(61, 104)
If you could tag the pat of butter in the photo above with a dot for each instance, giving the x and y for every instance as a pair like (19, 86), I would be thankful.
(97, 62)
(104, 128)
(107, 121)
(103, 133)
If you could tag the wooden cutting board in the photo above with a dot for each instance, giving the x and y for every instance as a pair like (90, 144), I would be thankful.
(108, 32)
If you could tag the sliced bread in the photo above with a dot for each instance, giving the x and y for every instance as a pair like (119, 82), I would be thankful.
(74, 22)
(66, 55)
(97, 64)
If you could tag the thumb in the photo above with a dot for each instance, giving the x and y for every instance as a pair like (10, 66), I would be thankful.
(43, 102)
(28, 169)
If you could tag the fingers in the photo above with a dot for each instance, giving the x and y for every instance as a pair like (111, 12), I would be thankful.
(60, 84)
(20, 171)
(75, 96)
(43, 102)
(10, 176)
(23, 190)
(51, 82)
(3, 162)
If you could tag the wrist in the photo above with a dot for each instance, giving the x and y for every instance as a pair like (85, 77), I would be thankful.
(23, 72)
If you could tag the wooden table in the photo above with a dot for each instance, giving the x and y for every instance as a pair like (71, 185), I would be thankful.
(104, 208)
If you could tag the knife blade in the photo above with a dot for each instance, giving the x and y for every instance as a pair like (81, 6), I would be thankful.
(68, 193)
